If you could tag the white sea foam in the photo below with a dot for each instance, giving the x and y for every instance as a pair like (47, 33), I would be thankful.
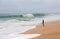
(19, 36)
(28, 15)
(12, 27)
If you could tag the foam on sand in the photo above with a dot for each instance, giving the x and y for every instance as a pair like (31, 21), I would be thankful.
(20, 36)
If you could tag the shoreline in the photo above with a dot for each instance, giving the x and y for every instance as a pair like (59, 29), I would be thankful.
(51, 30)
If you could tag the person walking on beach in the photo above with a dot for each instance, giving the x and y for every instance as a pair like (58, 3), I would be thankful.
(43, 23)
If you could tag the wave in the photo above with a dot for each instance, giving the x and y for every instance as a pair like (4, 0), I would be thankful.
(22, 15)
(20, 23)
(25, 17)
(14, 25)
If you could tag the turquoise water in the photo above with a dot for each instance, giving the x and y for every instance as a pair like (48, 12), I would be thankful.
(23, 17)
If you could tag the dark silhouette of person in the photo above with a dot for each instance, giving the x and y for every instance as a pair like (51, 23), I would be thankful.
(43, 23)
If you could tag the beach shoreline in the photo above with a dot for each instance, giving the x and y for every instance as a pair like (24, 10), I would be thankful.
(51, 30)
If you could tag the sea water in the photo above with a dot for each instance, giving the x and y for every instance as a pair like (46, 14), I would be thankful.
(11, 25)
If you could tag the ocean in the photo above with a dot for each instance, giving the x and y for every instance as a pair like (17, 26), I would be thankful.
(10, 25)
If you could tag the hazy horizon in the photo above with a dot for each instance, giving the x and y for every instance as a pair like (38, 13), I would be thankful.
(29, 6)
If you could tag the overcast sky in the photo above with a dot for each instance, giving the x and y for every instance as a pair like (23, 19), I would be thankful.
(42, 6)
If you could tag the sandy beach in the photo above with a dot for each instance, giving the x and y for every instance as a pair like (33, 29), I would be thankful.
(51, 30)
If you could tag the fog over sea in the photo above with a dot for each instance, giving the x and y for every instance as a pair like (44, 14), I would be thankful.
(12, 25)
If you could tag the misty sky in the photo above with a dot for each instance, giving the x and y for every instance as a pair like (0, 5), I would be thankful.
(28, 6)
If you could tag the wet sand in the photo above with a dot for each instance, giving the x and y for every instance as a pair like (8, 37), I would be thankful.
(51, 30)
